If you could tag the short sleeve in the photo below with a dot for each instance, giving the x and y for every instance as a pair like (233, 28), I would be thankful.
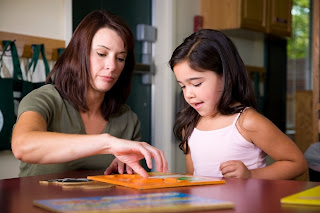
(43, 100)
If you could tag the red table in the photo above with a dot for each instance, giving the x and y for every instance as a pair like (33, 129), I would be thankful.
(249, 195)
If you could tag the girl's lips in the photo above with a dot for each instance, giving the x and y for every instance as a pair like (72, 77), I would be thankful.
(197, 106)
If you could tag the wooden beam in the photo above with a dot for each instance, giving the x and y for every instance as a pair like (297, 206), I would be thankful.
(24, 43)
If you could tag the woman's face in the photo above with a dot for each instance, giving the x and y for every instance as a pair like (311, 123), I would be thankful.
(107, 59)
(201, 90)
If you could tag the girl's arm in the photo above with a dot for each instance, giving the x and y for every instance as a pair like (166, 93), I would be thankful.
(32, 143)
(289, 160)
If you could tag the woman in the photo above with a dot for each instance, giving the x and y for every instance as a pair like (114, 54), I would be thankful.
(80, 117)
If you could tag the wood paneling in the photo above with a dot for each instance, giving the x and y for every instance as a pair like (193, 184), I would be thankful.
(304, 117)
(304, 127)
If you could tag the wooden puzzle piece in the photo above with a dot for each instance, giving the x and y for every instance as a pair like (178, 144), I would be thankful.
(77, 183)
(66, 181)
(90, 186)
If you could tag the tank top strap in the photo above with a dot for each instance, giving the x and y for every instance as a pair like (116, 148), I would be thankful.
(236, 119)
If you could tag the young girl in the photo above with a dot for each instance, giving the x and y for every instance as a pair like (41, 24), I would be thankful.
(220, 130)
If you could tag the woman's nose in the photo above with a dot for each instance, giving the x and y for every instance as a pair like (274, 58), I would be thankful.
(110, 64)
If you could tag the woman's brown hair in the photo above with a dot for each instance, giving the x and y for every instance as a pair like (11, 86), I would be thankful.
(70, 75)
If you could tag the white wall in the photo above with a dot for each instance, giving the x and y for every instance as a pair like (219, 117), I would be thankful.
(9, 165)
(185, 10)
(42, 18)
(174, 21)
(250, 46)
(163, 81)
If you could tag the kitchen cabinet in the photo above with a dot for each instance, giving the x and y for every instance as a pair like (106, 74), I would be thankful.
(253, 14)
(279, 17)
(267, 16)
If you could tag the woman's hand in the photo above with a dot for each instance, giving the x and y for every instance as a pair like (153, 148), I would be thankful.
(131, 153)
(118, 167)
(234, 169)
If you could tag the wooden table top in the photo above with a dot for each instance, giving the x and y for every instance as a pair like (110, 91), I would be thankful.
(248, 195)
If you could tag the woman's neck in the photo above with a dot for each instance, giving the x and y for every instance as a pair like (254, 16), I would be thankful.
(94, 101)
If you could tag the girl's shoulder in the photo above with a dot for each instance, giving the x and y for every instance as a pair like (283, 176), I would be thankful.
(251, 120)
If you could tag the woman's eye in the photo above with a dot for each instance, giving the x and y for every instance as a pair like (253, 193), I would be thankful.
(182, 87)
(101, 54)
(121, 59)
(196, 85)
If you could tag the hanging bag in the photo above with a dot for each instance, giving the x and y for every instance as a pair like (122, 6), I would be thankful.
(37, 50)
(7, 115)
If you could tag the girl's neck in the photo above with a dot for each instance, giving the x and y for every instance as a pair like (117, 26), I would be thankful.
(217, 121)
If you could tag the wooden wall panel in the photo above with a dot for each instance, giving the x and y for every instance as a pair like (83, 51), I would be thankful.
(304, 118)
(304, 126)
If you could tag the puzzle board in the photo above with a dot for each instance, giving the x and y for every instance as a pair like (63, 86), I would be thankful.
(154, 202)
(156, 180)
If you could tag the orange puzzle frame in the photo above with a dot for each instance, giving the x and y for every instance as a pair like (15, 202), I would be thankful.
(156, 180)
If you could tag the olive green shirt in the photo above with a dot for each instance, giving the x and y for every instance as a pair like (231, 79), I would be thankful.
(62, 117)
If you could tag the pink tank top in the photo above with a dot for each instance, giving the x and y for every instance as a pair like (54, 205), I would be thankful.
(210, 148)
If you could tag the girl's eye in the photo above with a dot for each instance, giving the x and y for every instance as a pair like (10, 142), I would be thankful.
(196, 85)
(182, 87)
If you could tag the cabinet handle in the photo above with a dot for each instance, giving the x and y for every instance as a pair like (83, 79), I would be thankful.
(281, 20)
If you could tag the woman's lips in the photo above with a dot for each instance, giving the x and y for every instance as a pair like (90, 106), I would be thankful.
(107, 78)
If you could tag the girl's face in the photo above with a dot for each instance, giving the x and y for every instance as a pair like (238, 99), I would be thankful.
(202, 90)
(107, 59)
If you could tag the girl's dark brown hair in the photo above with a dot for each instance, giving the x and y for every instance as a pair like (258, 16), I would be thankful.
(71, 73)
(209, 49)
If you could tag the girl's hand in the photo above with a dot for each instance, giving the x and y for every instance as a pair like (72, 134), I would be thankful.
(131, 153)
(234, 169)
(118, 167)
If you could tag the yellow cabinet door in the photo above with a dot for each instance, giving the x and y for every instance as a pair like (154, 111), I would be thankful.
(253, 15)
(279, 17)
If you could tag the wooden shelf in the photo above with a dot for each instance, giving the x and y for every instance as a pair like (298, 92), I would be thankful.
(24, 43)
(255, 69)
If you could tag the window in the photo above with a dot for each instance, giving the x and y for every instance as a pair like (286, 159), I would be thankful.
(299, 72)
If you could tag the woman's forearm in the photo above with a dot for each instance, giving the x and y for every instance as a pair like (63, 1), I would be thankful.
(49, 147)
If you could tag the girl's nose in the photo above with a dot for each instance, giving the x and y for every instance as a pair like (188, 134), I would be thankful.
(188, 93)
